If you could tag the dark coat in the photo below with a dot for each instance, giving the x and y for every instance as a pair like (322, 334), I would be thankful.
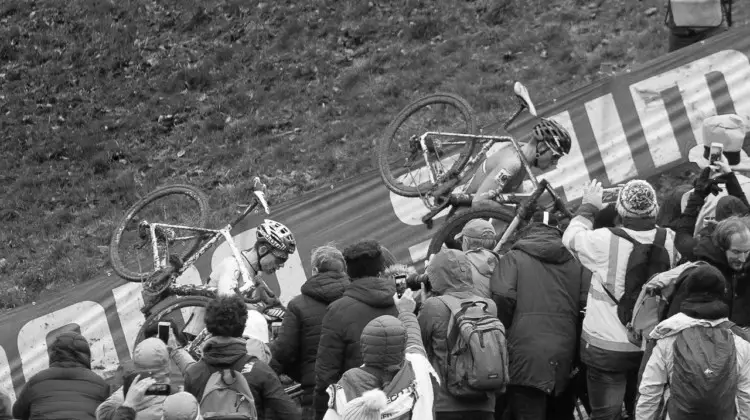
(68, 389)
(547, 290)
(223, 352)
(364, 300)
(296, 349)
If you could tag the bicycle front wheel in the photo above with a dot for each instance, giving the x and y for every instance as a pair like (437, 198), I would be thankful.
(499, 216)
(400, 157)
(130, 249)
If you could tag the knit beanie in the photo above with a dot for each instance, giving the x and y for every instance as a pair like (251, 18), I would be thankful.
(364, 259)
(70, 347)
(367, 407)
(705, 289)
(637, 200)
(383, 342)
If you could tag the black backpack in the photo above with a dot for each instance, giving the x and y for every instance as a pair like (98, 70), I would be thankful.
(644, 262)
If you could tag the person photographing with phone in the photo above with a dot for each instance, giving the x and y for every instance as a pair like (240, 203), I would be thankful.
(725, 133)
(150, 374)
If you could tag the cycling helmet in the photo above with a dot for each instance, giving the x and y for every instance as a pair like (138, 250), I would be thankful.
(554, 135)
(276, 235)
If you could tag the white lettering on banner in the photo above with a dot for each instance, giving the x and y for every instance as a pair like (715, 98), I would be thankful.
(291, 276)
(570, 172)
(610, 136)
(418, 252)
(129, 303)
(89, 316)
(696, 95)
(6, 383)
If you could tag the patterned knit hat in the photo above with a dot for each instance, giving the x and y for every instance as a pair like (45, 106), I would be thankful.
(367, 407)
(637, 200)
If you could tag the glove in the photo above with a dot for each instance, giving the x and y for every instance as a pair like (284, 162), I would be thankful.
(705, 185)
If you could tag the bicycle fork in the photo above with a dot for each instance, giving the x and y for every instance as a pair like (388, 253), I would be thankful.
(525, 207)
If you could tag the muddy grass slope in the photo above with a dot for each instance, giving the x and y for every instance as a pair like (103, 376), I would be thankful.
(102, 101)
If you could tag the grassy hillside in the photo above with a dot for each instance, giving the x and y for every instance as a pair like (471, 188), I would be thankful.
(101, 101)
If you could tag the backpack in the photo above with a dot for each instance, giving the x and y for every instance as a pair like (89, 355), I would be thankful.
(645, 261)
(227, 395)
(477, 360)
(696, 14)
(704, 379)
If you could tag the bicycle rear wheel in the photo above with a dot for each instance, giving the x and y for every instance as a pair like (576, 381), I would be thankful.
(131, 253)
(499, 216)
(400, 160)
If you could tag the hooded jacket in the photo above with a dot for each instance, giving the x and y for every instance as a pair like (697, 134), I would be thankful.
(364, 300)
(227, 352)
(450, 274)
(408, 385)
(68, 389)
(483, 263)
(605, 344)
(546, 289)
(296, 348)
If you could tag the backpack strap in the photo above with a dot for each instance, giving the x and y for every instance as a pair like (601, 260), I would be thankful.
(457, 309)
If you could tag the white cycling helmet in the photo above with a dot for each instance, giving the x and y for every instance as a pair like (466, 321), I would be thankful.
(277, 236)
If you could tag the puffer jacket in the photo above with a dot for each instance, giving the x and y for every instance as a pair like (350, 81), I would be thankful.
(409, 389)
(5, 407)
(226, 352)
(450, 274)
(364, 300)
(605, 344)
(68, 389)
(295, 350)
(658, 370)
(546, 289)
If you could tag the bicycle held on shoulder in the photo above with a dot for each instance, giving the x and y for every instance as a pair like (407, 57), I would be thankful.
(437, 161)
(156, 247)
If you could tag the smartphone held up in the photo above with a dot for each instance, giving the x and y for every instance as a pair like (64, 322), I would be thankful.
(717, 149)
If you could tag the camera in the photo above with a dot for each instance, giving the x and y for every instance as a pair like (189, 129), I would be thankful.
(415, 282)
(610, 195)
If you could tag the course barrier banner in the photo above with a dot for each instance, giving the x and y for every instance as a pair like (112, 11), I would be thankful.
(634, 125)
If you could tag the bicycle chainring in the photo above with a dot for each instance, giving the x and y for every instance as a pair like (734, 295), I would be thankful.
(158, 282)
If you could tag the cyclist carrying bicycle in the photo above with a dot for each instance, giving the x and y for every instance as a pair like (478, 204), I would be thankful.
(503, 172)
(274, 243)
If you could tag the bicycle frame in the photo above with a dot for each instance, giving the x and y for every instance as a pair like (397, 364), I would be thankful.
(224, 232)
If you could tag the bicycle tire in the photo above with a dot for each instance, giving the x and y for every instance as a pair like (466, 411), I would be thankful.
(453, 226)
(192, 245)
(166, 306)
(385, 140)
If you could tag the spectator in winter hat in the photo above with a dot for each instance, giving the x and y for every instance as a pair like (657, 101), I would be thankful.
(150, 356)
(68, 388)
(369, 296)
(395, 363)
(704, 307)
(611, 359)
(729, 130)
